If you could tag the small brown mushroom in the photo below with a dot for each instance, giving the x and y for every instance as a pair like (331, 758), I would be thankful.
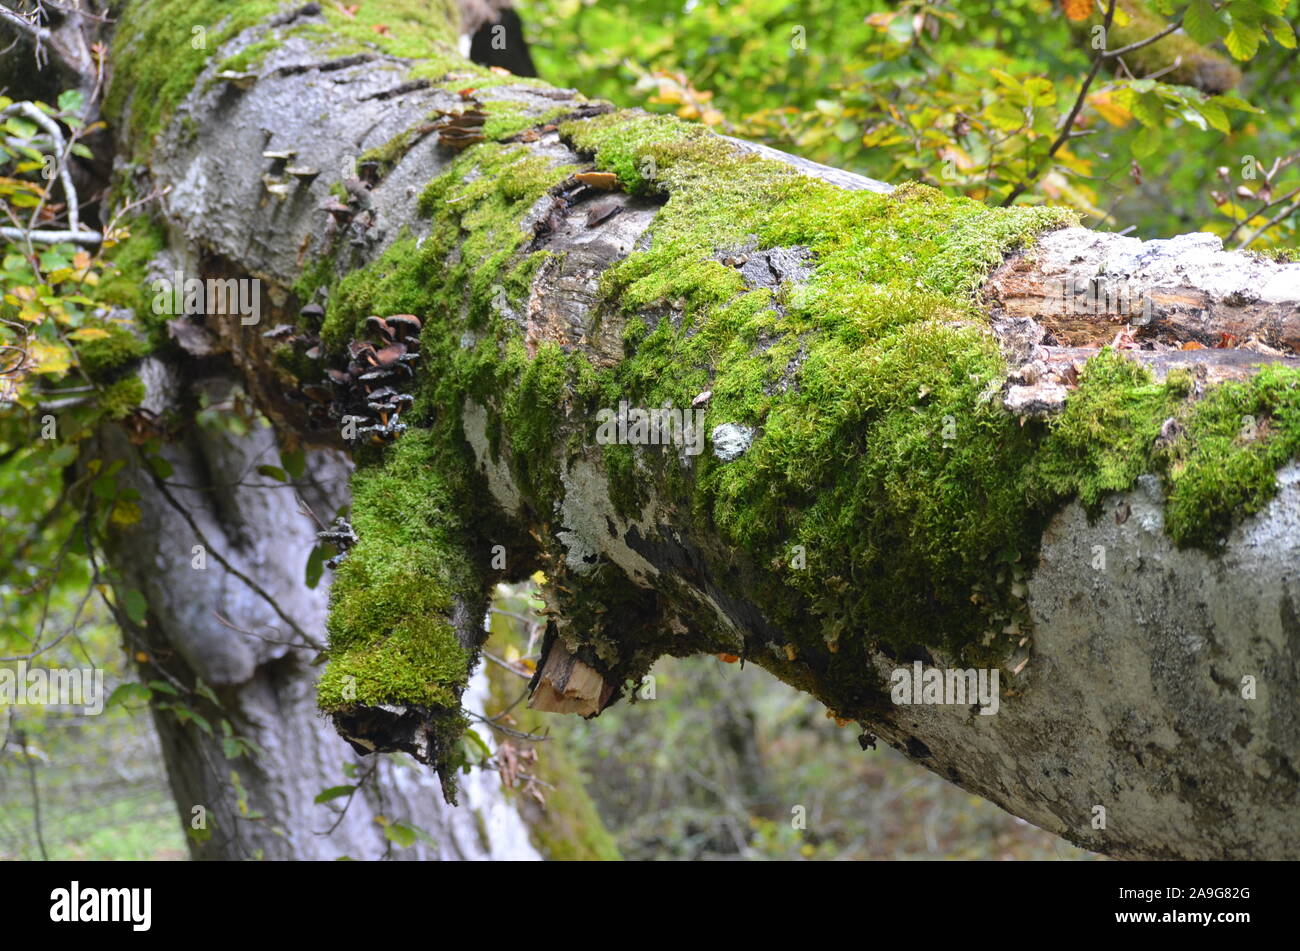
(280, 332)
(363, 353)
(390, 354)
(382, 410)
(404, 325)
(377, 325)
(340, 211)
(275, 186)
(368, 172)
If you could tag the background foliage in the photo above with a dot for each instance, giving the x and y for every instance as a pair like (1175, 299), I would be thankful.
(969, 96)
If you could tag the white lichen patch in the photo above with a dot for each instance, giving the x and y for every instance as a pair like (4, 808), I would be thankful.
(500, 482)
(590, 522)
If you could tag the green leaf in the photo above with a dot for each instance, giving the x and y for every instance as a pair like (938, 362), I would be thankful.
(161, 467)
(273, 472)
(1214, 114)
(186, 714)
(71, 100)
(105, 488)
(1004, 115)
(315, 566)
(1149, 109)
(1040, 91)
(1202, 23)
(1145, 142)
(135, 606)
(1243, 39)
(400, 834)
(1229, 101)
(128, 692)
(294, 463)
(1005, 78)
(334, 792)
(20, 127)
(1282, 31)
(162, 686)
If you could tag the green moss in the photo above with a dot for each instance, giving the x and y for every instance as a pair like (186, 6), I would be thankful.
(118, 400)
(1237, 437)
(1102, 442)
(127, 285)
(154, 53)
(508, 117)
(390, 637)
(1280, 255)
(250, 57)
(102, 357)
(386, 156)
(532, 411)
(881, 450)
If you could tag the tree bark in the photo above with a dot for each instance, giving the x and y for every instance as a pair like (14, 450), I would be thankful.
(210, 531)
(1121, 726)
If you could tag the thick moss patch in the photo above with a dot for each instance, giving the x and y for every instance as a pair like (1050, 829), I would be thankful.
(390, 637)
(103, 357)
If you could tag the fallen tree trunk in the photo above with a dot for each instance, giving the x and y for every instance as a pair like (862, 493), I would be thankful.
(842, 478)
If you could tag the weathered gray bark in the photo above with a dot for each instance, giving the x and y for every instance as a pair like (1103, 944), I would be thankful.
(207, 625)
(1128, 699)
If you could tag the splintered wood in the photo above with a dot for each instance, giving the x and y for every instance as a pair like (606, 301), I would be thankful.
(567, 685)
(1181, 304)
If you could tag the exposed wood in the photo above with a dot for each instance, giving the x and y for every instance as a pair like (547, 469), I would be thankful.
(565, 684)
(1082, 287)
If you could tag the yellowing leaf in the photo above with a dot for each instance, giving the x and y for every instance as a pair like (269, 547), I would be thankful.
(88, 333)
(50, 358)
(124, 513)
(1077, 9)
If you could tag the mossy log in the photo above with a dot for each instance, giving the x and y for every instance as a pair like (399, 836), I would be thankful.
(873, 488)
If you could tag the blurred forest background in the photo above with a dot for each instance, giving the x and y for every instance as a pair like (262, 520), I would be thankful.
(1003, 102)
